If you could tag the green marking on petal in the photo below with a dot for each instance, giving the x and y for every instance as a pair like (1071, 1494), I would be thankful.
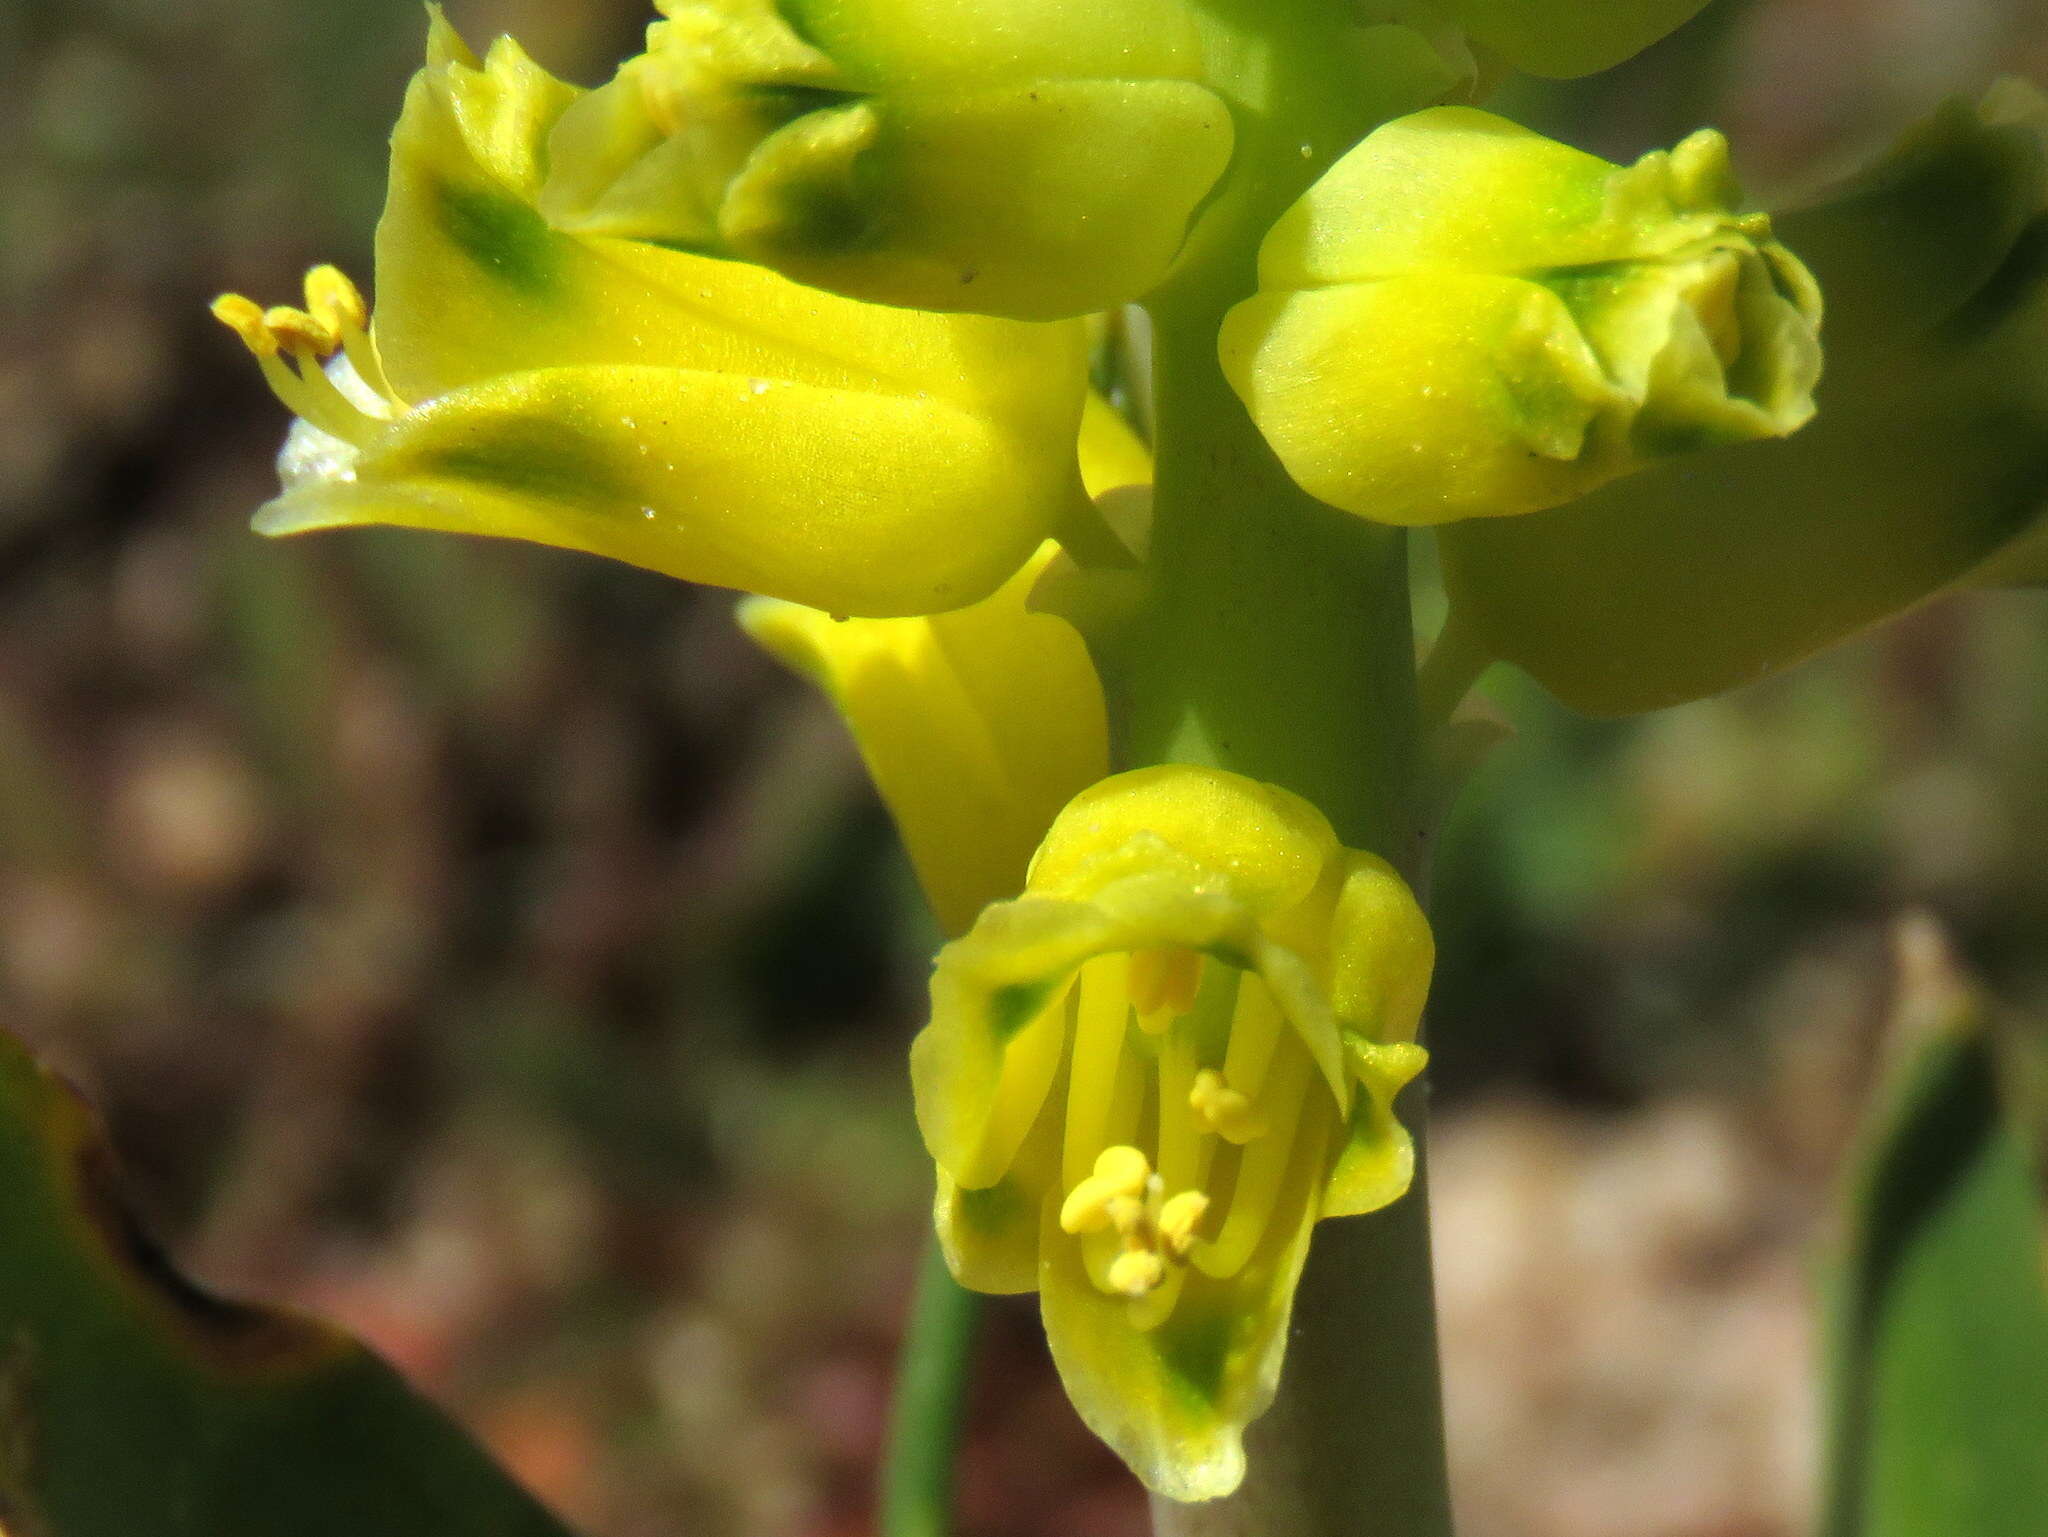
(1195, 1351)
(532, 456)
(1013, 1007)
(994, 1209)
(504, 237)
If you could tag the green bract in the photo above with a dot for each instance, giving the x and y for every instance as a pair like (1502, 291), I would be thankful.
(1035, 160)
(1465, 319)
(1926, 466)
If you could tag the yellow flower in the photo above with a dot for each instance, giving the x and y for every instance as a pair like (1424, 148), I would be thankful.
(1465, 319)
(1147, 1077)
(704, 418)
(976, 726)
(1040, 158)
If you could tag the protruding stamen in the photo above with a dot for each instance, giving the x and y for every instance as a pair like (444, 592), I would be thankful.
(335, 301)
(297, 332)
(331, 323)
(1163, 984)
(1179, 1218)
(1136, 1272)
(1223, 1109)
(244, 317)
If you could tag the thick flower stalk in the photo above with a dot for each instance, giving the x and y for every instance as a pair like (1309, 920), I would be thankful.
(1466, 319)
(1037, 159)
(1148, 1076)
(706, 419)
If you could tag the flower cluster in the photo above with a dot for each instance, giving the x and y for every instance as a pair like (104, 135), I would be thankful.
(799, 303)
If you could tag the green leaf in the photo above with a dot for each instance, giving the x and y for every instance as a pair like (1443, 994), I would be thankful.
(1940, 1327)
(132, 1404)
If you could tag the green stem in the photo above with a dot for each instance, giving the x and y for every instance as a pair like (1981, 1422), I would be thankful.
(926, 1418)
(1277, 642)
(1279, 645)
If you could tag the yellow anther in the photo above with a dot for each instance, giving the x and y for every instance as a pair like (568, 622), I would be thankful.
(1179, 1218)
(1136, 1272)
(244, 317)
(1086, 1208)
(1126, 1214)
(334, 301)
(1223, 1109)
(1110, 1196)
(1123, 1169)
(296, 331)
(1163, 982)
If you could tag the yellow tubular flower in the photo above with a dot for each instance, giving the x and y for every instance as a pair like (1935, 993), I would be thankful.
(703, 418)
(1147, 1077)
(1465, 319)
(976, 726)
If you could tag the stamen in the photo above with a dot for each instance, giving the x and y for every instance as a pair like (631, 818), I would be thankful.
(1109, 1196)
(1224, 1110)
(1098, 1055)
(244, 317)
(298, 332)
(1136, 1272)
(1179, 1218)
(1255, 1030)
(335, 301)
(1184, 1150)
(337, 304)
(1163, 984)
(332, 322)
(1261, 1170)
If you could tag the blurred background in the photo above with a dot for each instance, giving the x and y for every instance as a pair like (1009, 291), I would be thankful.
(484, 947)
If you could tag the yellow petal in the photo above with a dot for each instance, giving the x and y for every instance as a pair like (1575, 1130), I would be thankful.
(1268, 844)
(977, 727)
(990, 1235)
(1381, 952)
(1376, 1160)
(1112, 455)
(844, 500)
(1173, 1400)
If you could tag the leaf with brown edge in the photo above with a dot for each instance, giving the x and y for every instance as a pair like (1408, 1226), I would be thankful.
(135, 1404)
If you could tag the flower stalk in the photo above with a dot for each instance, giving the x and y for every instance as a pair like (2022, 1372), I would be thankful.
(1250, 574)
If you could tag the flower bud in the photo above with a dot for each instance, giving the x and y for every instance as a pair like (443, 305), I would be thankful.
(1035, 160)
(1922, 471)
(1465, 319)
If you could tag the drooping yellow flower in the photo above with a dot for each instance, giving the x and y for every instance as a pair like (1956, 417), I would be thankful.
(1148, 1076)
(1039, 158)
(1466, 319)
(704, 418)
(977, 725)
